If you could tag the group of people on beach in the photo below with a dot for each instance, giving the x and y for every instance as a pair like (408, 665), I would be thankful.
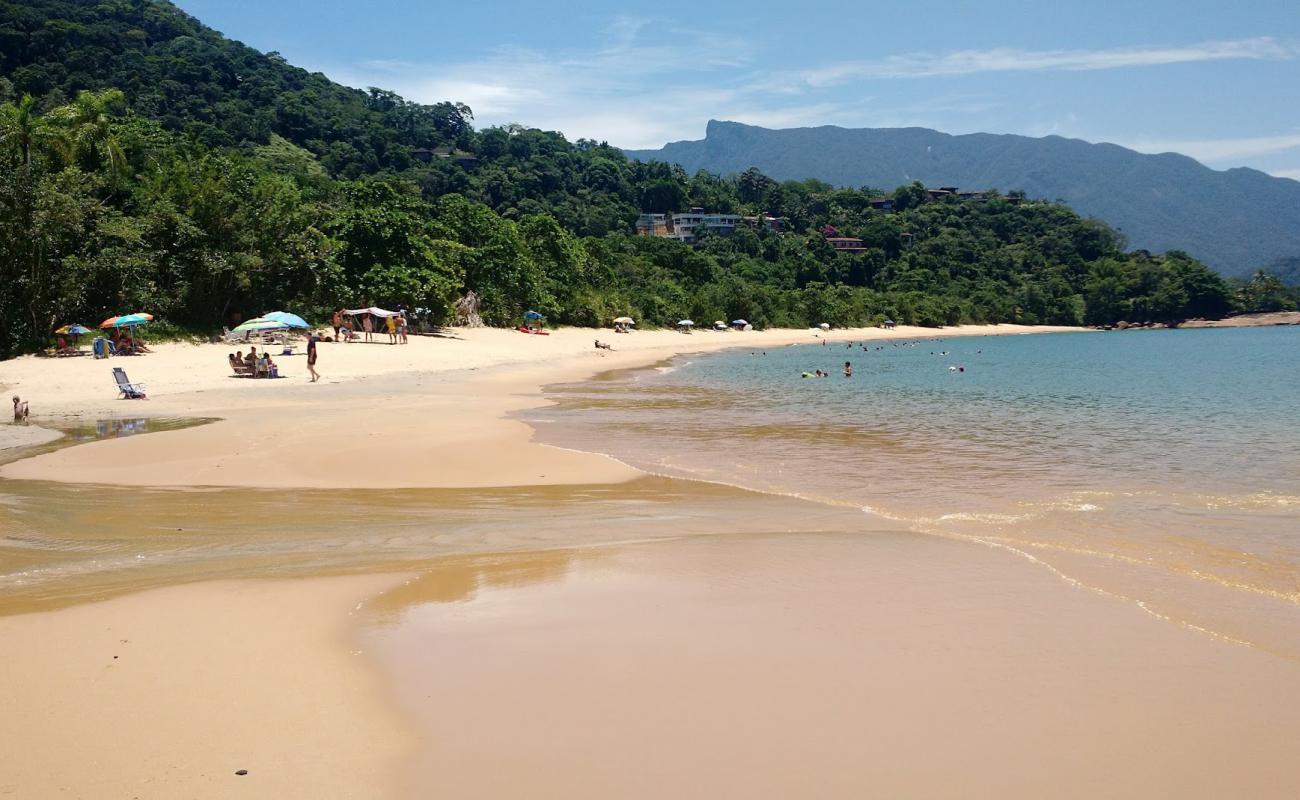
(262, 365)
(396, 326)
(122, 343)
(254, 365)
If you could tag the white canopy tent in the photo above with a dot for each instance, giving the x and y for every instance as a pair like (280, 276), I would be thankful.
(375, 311)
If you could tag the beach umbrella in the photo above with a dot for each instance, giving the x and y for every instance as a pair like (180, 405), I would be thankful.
(127, 320)
(624, 321)
(73, 329)
(289, 320)
(533, 315)
(259, 324)
(740, 322)
(685, 323)
(825, 326)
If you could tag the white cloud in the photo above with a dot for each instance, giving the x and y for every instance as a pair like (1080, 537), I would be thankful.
(1293, 174)
(1214, 151)
(629, 90)
(969, 62)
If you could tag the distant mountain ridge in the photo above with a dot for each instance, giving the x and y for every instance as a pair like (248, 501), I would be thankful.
(1235, 220)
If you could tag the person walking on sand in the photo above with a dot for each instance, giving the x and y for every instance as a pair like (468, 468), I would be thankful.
(311, 357)
(368, 326)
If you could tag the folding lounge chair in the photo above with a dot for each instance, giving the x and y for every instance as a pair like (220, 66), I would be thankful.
(128, 390)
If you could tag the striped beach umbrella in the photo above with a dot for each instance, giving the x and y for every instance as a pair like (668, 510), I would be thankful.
(259, 324)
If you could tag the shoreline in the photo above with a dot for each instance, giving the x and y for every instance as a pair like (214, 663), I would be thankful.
(417, 416)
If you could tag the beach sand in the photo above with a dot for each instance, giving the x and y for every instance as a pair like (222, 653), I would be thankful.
(168, 693)
(833, 665)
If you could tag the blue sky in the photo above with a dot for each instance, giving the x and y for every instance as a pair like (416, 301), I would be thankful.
(1217, 81)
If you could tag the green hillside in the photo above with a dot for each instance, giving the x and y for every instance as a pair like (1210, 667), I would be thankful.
(149, 164)
(1235, 220)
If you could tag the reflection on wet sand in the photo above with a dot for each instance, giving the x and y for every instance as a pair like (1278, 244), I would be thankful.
(816, 665)
(460, 579)
(61, 543)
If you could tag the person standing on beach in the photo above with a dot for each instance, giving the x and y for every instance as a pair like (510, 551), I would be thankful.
(391, 324)
(368, 326)
(337, 322)
(311, 357)
(401, 329)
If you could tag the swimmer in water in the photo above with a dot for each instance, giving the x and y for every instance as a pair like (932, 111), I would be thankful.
(848, 370)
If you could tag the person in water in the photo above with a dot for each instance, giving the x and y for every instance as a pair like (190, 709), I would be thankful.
(848, 370)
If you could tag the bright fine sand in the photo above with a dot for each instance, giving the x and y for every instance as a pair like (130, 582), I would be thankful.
(846, 663)
(168, 693)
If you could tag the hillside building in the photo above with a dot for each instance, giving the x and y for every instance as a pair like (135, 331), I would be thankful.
(683, 226)
(846, 244)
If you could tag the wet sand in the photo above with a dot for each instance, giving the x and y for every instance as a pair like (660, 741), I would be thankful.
(834, 665)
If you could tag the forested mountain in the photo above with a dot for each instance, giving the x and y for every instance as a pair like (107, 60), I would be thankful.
(219, 92)
(1236, 220)
(149, 164)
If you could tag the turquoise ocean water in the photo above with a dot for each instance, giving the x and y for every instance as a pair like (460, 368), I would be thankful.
(1160, 467)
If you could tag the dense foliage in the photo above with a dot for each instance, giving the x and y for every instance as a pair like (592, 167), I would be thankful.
(194, 194)
(1235, 220)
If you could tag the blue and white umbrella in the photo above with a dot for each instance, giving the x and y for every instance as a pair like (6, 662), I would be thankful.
(289, 320)
(533, 315)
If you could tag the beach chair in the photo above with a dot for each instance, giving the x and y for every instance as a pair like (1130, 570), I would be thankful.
(128, 390)
(239, 367)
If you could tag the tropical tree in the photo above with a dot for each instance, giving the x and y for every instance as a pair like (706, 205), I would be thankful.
(90, 123)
